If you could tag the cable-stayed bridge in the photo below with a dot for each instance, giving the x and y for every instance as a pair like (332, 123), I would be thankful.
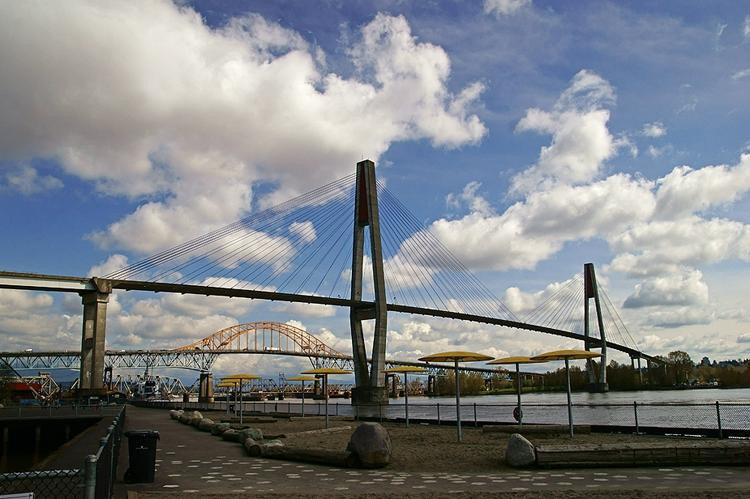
(352, 244)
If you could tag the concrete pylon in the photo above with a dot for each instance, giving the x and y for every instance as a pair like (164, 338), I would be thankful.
(91, 375)
(370, 386)
(592, 291)
(206, 388)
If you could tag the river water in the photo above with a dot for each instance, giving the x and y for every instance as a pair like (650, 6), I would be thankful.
(665, 408)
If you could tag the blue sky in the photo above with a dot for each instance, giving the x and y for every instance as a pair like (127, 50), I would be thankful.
(529, 136)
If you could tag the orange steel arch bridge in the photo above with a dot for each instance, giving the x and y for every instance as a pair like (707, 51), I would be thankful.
(264, 337)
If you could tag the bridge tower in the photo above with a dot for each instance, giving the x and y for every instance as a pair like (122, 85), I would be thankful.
(91, 375)
(370, 386)
(592, 291)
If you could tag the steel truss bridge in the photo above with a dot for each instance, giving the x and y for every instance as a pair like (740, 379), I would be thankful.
(264, 338)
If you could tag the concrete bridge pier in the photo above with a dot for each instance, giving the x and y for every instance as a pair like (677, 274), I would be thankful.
(91, 375)
(596, 384)
(371, 388)
(394, 387)
(206, 388)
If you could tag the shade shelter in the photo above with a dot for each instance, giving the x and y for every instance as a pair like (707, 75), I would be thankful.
(518, 360)
(456, 357)
(325, 371)
(567, 355)
(239, 379)
(302, 379)
(405, 370)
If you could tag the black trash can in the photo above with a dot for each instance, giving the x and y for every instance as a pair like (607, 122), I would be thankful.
(142, 455)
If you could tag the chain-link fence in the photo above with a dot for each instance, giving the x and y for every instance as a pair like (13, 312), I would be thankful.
(94, 480)
(52, 483)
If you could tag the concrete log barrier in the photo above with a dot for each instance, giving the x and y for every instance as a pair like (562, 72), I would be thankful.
(341, 459)
(231, 435)
(536, 429)
(254, 433)
(644, 454)
(195, 418)
(206, 424)
(252, 447)
(175, 414)
(184, 418)
(220, 428)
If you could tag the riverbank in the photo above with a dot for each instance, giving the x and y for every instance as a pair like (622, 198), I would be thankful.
(427, 462)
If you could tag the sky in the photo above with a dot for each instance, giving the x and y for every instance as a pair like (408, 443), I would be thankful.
(528, 136)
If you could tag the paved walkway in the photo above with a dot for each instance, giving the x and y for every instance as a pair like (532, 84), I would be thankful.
(189, 461)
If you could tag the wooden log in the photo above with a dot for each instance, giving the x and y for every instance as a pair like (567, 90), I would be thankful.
(341, 459)
(322, 430)
(644, 454)
(535, 429)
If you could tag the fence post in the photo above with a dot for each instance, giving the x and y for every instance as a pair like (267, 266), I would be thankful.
(89, 477)
(438, 411)
(718, 419)
(337, 408)
(475, 414)
(635, 413)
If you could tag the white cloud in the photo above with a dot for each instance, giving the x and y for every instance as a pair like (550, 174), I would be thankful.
(305, 231)
(690, 241)
(468, 197)
(746, 30)
(743, 73)
(684, 191)
(504, 7)
(686, 289)
(654, 130)
(526, 233)
(147, 100)
(581, 141)
(111, 264)
(743, 338)
(26, 180)
(675, 317)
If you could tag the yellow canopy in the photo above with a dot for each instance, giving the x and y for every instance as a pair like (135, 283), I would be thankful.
(225, 384)
(514, 360)
(566, 354)
(301, 378)
(405, 369)
(327, 370)
(240, 377)
(455, 356)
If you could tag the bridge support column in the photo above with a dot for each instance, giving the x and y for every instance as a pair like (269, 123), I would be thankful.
(370, 386)
(91, 376)
(206, 388)
(640, 372)
(394, 387)
(592, 291)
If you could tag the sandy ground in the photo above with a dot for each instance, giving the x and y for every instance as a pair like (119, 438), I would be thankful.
(427, 462)
(435, 448)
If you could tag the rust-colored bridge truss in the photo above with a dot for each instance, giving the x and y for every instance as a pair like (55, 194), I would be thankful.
(265, 337)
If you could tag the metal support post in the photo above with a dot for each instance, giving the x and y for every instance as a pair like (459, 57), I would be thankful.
(635, 414)
(718, 420)
(89, 477)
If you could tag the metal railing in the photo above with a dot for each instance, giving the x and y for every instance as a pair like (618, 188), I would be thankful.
(94, 480)
(719, 419)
